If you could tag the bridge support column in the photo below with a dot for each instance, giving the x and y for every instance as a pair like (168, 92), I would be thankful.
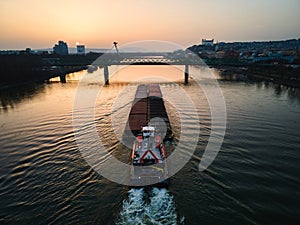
(62, 78)
(106, 75)
(186, 74)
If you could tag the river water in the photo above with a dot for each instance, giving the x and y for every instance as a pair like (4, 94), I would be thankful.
(253, 180)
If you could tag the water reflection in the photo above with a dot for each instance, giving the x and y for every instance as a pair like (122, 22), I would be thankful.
(278, 90)
(294, 94)
(13, 95)
(228, 75)
(266, 84)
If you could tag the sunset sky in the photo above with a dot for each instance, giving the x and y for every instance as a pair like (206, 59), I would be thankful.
(97, 23)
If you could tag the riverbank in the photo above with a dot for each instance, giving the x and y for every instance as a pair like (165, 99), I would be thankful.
(16, 69)
(279, 74)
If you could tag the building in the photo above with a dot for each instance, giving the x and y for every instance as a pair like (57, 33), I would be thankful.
(207, 45)
(28, 51)
(80, 49)
(10, 52)
(207, 42)
(61, 48)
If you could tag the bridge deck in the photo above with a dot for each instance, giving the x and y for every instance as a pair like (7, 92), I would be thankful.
(148, 59)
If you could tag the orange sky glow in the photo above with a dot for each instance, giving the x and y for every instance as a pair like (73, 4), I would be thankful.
(97, 23)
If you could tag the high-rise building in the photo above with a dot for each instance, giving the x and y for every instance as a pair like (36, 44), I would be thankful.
(61, 48)
(80, 49)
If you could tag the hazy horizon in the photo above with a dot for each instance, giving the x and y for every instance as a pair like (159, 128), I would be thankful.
(88, 48)
(96, 24)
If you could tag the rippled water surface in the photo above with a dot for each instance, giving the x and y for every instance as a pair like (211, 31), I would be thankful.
(45, 180)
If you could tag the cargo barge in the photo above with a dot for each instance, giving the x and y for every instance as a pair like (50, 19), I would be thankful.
(149, 123)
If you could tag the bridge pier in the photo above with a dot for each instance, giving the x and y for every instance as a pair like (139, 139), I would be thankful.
(106, 75)
(186, 74)
(62, 78)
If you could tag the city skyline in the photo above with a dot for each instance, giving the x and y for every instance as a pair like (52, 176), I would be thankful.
(96, 24)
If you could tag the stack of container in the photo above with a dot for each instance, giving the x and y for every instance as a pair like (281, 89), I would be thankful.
(147, 104)
(157, 106)
(138, 115)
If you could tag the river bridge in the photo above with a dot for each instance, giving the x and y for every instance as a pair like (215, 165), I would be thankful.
(182, 58)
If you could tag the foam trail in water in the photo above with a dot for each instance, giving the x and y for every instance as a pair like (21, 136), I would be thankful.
(160, 209)
(133, 211)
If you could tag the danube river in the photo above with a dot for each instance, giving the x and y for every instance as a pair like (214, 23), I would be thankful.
(253, 180)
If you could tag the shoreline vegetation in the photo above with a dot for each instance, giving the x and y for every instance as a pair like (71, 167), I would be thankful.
(287, 75)
(18, 69)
